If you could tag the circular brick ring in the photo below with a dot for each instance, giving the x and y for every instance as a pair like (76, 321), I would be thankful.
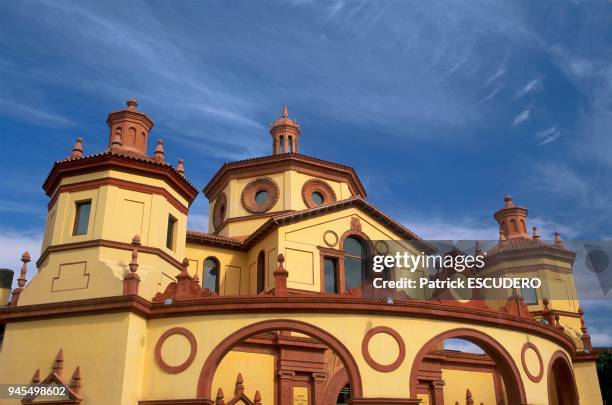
(183, 366)
(384, 368)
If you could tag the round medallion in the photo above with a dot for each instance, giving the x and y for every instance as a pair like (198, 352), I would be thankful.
(316, 192)
(260, 195)
(175, 346)
(381, 247)
(532, 362)
(219, 211)
(377, 344)
(330, 238)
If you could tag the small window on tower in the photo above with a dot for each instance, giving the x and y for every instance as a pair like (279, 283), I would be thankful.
(81, 219)
(171, 232)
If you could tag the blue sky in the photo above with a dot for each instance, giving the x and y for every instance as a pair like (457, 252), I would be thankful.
(442, 107)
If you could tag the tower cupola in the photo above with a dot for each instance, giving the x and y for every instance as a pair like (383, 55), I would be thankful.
(512, 220)
(129, 129)
(285, 133)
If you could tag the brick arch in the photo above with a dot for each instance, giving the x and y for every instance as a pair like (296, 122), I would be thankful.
(567, 393)
(216, 356)
(508, 370)
(334, 386)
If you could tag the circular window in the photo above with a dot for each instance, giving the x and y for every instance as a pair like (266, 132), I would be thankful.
(219, 211)
(316, 192)
(260, 195)
(317, 197)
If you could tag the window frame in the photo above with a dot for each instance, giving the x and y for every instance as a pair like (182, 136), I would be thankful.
(77, 206)
(172, 220)
(217, 278)
(340, 255)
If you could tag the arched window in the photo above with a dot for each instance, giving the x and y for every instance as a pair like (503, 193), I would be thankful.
(261, 272)
(282, 144)
(523, 226)
(355, 266)
(290, 141)
(514, 226)
(211, 274)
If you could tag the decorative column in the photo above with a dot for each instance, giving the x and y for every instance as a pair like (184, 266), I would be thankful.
(586, 338)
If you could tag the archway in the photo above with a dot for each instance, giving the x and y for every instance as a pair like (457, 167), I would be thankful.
(561, 383)
(216, 356)
(508, 370)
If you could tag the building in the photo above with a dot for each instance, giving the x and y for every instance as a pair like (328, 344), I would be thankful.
(270, 306)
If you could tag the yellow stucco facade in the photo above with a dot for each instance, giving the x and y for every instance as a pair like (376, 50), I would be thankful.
(129, 307)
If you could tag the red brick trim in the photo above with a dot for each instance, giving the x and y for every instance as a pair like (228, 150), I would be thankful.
(365, 349)
(568, 385)
(385, 401)
(537, 377)
(320, 186)
(110, 244)
(216, 356)
(299, 303)
(124, 184)
(250, 190)
(183, 366)
(284, 162)
(508, 370)
(177, 402)
(114, 161)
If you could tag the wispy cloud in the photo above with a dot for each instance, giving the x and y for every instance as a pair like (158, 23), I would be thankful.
(532, 86)
(523, 116)
(548, 135)
(458, 229)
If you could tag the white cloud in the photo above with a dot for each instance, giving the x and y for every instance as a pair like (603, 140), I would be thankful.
(532, 86)
(523, 116)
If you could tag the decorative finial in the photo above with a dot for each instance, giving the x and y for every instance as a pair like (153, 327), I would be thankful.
(558, 240)
(77, 150)
(185, 266)
(159, 153)
(25, 258)
(280, 277)
(536, 233)
(132, 104)
(508, 201)
(131, 279)
(75, 385)
(257, 398)
(468, 397)
(285, 111)
(58, 363)
(135, 245)
(239, 385)
(219, 400)
(36, 377)
(477, 248)
(180, 168)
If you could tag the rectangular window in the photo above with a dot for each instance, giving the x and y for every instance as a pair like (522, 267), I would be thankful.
(529, 295)
(81, 219)
(330, 275)
(171, 232)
